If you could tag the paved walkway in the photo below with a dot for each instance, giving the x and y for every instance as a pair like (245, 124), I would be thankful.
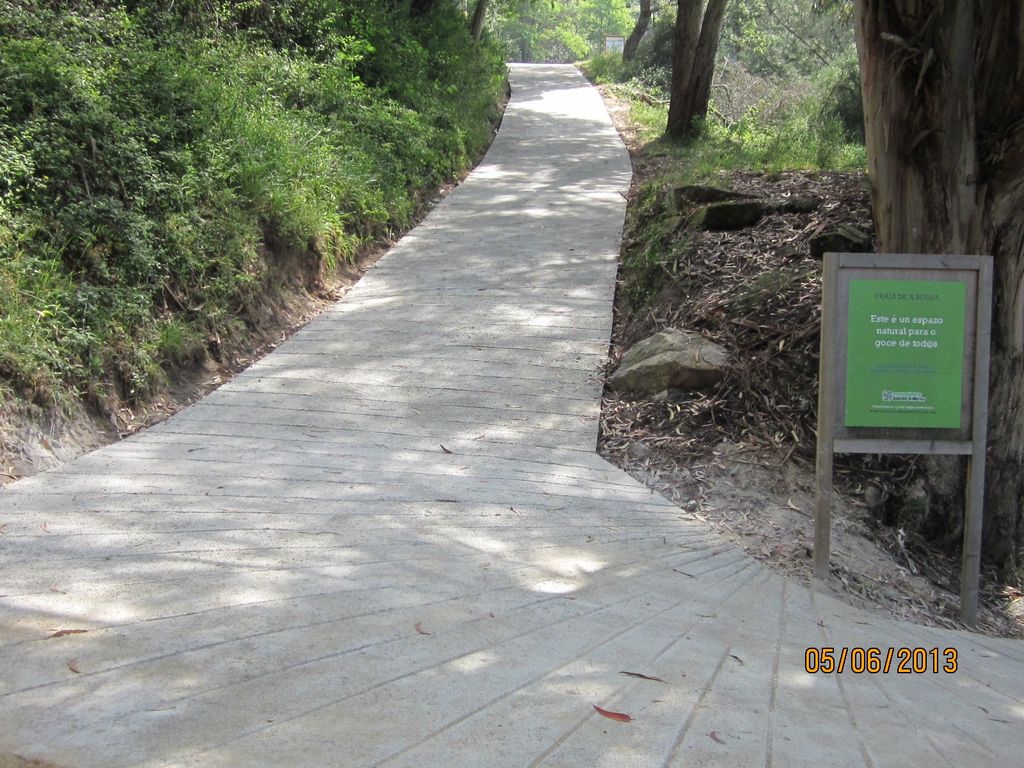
(390, 543)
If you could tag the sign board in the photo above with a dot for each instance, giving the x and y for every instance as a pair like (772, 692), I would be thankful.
(614, 43)
(904, 369)
(904, 353)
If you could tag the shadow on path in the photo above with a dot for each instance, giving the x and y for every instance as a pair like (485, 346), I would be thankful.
(390, 542)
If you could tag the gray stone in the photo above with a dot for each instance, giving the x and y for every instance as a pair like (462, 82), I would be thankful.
(728, 216)
(675, 199)
(842, 238)
(670, 359)
(806, 204)
(698, 193)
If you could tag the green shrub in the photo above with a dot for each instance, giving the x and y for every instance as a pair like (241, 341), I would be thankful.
(841, 101)
(605, 68)
(153, 157)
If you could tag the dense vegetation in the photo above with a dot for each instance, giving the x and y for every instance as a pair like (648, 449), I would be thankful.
(786, 93)
(557, 30)
(157, 159)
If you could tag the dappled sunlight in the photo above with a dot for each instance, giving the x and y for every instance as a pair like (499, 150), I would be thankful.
(475, 663)
(798, 679)
(391, 542)
(572, 564)
(476, 541)
(554, 586)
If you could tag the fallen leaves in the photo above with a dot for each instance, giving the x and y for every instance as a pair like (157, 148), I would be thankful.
(73, 666)
(621, 717)
(644, 677)
(445, 449)
(65, 632)
(45, 527)
(715, 737)
(420, 629)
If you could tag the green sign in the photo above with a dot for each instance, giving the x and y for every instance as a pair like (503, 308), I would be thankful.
(905, 353)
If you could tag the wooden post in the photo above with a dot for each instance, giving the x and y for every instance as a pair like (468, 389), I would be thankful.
(970, 569)
(826, 425)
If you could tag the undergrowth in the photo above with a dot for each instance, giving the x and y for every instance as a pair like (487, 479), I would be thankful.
(155, 160)
(809, 124)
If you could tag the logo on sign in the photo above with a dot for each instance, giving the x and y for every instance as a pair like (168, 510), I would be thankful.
(889, 396)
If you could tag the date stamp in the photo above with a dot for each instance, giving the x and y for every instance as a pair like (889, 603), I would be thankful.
(860, 660)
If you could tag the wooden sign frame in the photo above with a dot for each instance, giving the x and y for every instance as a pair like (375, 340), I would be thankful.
(969, 439)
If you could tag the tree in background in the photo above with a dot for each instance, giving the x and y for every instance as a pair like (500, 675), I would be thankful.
(556, 30)
(476, 24)
(643, 20)
(784, 38)
(944, 105)
(695, 44)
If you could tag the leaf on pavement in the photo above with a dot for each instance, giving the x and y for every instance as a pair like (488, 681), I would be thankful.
(714, 735)
(445, 449)
(63, 632)
(644, 677)
(73, 666)
(622, 717)
(420, 629)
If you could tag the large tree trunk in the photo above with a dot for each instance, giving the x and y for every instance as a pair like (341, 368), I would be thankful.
(944, 110)
(476, 25)
(694, 46)
(643, 20)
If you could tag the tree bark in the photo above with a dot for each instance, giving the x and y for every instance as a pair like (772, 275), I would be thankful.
(643, 20)
(476, 25)
(694, 47)
(944, 112)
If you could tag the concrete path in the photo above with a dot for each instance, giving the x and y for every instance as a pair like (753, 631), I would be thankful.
(390, 543)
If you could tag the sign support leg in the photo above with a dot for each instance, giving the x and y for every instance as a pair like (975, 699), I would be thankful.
(826, 425)
(970, 570)
(823, 505)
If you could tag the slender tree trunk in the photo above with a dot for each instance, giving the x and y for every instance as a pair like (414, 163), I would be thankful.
(944, 110)
(643, 20)
(694, 47)
(684, 42)
(476, 25)
(699, 91)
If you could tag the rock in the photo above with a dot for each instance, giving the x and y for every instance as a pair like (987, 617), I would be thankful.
(670, 359)
(806, 204)
(697, 193)
(842, 238)
(676, 199)
(718, 217)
